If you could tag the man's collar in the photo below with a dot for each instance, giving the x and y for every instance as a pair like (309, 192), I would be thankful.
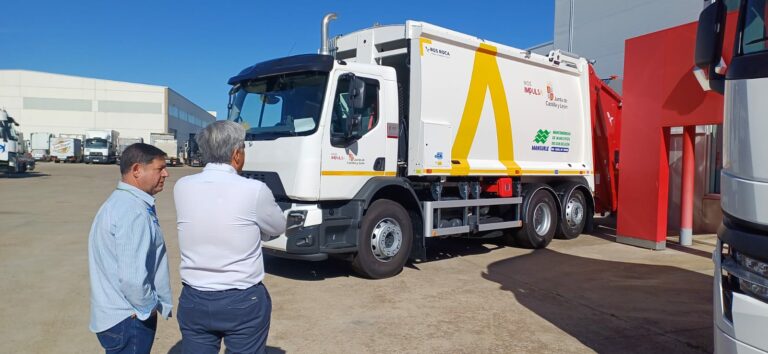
(136, 192)
(221, 167)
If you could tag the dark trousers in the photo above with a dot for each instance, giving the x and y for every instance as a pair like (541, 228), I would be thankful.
(132, 335)
(240, 317)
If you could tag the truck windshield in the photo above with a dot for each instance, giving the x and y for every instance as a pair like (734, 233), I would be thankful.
(96, 143)
(755, 30)
(284, 105)
(7, 131)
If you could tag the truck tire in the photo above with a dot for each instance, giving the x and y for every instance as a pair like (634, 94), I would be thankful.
(386, 236)
(539, 221)
(574, 216)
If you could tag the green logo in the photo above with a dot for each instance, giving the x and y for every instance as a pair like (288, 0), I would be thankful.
(541, 136)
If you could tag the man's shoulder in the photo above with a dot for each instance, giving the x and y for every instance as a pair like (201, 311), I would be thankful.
(120, 204)
(225, 179)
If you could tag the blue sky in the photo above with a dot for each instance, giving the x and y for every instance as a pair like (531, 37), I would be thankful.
(195, 46)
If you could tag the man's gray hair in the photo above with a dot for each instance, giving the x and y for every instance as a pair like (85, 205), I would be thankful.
(219, 140)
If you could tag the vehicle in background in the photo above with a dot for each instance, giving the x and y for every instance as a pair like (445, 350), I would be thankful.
(167, 142)
(13, 158)
(65, 149)
(192, 155)
(740, 289)
(41, 145)
(126, 142)
(413, 131)
(101, 146)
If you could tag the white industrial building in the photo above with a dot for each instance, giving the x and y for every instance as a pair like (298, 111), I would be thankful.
(63, 104)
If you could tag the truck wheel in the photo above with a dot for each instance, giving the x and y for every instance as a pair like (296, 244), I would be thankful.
(539, 221)
(385, 240)
(574, 216)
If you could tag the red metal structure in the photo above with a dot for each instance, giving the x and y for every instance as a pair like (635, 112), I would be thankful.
(660, 91)
(606, 140)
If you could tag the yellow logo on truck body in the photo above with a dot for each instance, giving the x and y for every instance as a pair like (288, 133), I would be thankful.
(485, 78)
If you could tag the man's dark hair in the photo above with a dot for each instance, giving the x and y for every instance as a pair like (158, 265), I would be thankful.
(139, 153)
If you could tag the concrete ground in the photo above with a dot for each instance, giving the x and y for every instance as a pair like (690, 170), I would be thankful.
(584, 295)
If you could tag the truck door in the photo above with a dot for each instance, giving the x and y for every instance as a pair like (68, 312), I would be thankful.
(347, 163)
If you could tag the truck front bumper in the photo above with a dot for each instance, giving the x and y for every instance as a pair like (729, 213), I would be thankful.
(315, 231)
(740, 319)
(96, 159)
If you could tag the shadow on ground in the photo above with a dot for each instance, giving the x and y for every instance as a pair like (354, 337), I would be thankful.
(613, 306)
(437, 249)
(176, 349)
(306, 270)
(605, 228)
(23, 175)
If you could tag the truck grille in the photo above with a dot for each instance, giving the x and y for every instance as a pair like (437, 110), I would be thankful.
(272, 180)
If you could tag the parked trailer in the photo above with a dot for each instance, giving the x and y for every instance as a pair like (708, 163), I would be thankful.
(417, 131)
(65, 149)
(41, 145)
(124, 143)
(167, 142)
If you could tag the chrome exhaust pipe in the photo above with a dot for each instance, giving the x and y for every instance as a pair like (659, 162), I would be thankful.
(324, 33)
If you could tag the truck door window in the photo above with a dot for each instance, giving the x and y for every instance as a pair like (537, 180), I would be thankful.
(755, 31)
(342, 106)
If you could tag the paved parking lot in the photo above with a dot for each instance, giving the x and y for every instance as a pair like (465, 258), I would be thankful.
(472, 296)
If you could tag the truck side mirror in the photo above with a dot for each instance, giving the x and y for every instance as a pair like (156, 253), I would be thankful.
(357, 92)
(354, 127)
(709, 47)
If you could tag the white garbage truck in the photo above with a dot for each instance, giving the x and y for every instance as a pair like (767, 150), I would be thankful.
(395, 134)
(741, 257)
(12, 152)
(101, 146)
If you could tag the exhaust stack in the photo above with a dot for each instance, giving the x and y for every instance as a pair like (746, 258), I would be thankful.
(324, 32)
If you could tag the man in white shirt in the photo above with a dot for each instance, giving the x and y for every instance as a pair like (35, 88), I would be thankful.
(222, 219)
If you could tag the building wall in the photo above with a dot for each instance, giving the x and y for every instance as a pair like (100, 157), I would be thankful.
(185, 117)
(62, 104)
(597, 29)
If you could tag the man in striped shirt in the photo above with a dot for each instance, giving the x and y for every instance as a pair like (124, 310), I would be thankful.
(127, 257)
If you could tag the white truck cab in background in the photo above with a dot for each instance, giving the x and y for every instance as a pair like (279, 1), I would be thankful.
(101, 146)
(12, 151)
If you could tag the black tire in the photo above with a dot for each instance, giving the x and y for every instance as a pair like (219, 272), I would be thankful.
(574, 216)
(380, 225)
(543, 207)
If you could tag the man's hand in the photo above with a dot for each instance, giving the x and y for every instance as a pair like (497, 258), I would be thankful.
(154, 313)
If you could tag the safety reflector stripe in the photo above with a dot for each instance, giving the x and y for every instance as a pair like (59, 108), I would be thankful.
(358, 173)
(501, 172)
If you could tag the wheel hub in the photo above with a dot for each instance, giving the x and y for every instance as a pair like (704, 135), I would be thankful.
(574, 212)
(542, 218)
(386, 239)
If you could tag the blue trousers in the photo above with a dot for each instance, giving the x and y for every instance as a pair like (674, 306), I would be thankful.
(239, 317)
(132, 335)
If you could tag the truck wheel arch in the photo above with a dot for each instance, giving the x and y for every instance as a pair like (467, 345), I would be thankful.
(400, 191)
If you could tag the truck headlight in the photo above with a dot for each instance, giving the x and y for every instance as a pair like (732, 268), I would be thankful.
(295, 219)
(758, 268)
